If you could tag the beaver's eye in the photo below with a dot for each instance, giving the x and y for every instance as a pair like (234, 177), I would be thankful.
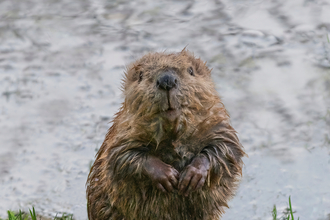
(140, 76)
(191, 71)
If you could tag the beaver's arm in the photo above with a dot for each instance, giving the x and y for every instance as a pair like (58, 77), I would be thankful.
(219, 161)
(139, 163)
(127, 162)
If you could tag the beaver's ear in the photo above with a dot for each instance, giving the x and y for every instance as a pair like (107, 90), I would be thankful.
(201, 67)
(134, 73)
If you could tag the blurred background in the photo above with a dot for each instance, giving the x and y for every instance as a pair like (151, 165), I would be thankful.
(61, 64)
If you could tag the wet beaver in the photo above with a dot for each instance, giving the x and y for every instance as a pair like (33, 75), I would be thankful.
(171, 152)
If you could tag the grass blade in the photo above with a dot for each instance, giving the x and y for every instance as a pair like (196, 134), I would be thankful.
(33, 214)
(11, 215)
(291, 208)
(274, 213)
(20, 215)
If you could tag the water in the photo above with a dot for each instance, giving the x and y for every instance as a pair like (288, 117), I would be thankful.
(61, 63)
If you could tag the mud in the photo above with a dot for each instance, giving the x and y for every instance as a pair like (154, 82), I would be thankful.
(61, 64)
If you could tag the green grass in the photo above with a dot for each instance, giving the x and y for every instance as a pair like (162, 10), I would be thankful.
(288, 212)
(33, 216)
(274, 213)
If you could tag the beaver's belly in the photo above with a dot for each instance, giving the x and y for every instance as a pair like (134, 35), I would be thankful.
(153, 204)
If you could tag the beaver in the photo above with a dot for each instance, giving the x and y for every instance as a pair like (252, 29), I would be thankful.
(171, 152)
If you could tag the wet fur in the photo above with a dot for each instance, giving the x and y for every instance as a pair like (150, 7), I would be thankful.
(116, 187)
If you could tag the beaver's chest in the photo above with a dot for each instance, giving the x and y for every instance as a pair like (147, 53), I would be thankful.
(178, 156)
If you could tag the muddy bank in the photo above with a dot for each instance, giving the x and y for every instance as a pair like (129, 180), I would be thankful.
(60, 68)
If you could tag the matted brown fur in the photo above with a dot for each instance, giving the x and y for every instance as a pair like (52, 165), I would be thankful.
(116, 187)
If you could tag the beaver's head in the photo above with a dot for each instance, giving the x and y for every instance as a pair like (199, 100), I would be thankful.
(169, 90)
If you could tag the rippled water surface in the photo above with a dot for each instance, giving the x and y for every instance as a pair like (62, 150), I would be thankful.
(61, 64)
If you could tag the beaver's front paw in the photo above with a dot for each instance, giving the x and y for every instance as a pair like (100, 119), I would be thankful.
(164, 176)
(194, 175)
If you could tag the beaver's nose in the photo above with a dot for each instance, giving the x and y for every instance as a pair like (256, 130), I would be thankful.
(167, 82)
